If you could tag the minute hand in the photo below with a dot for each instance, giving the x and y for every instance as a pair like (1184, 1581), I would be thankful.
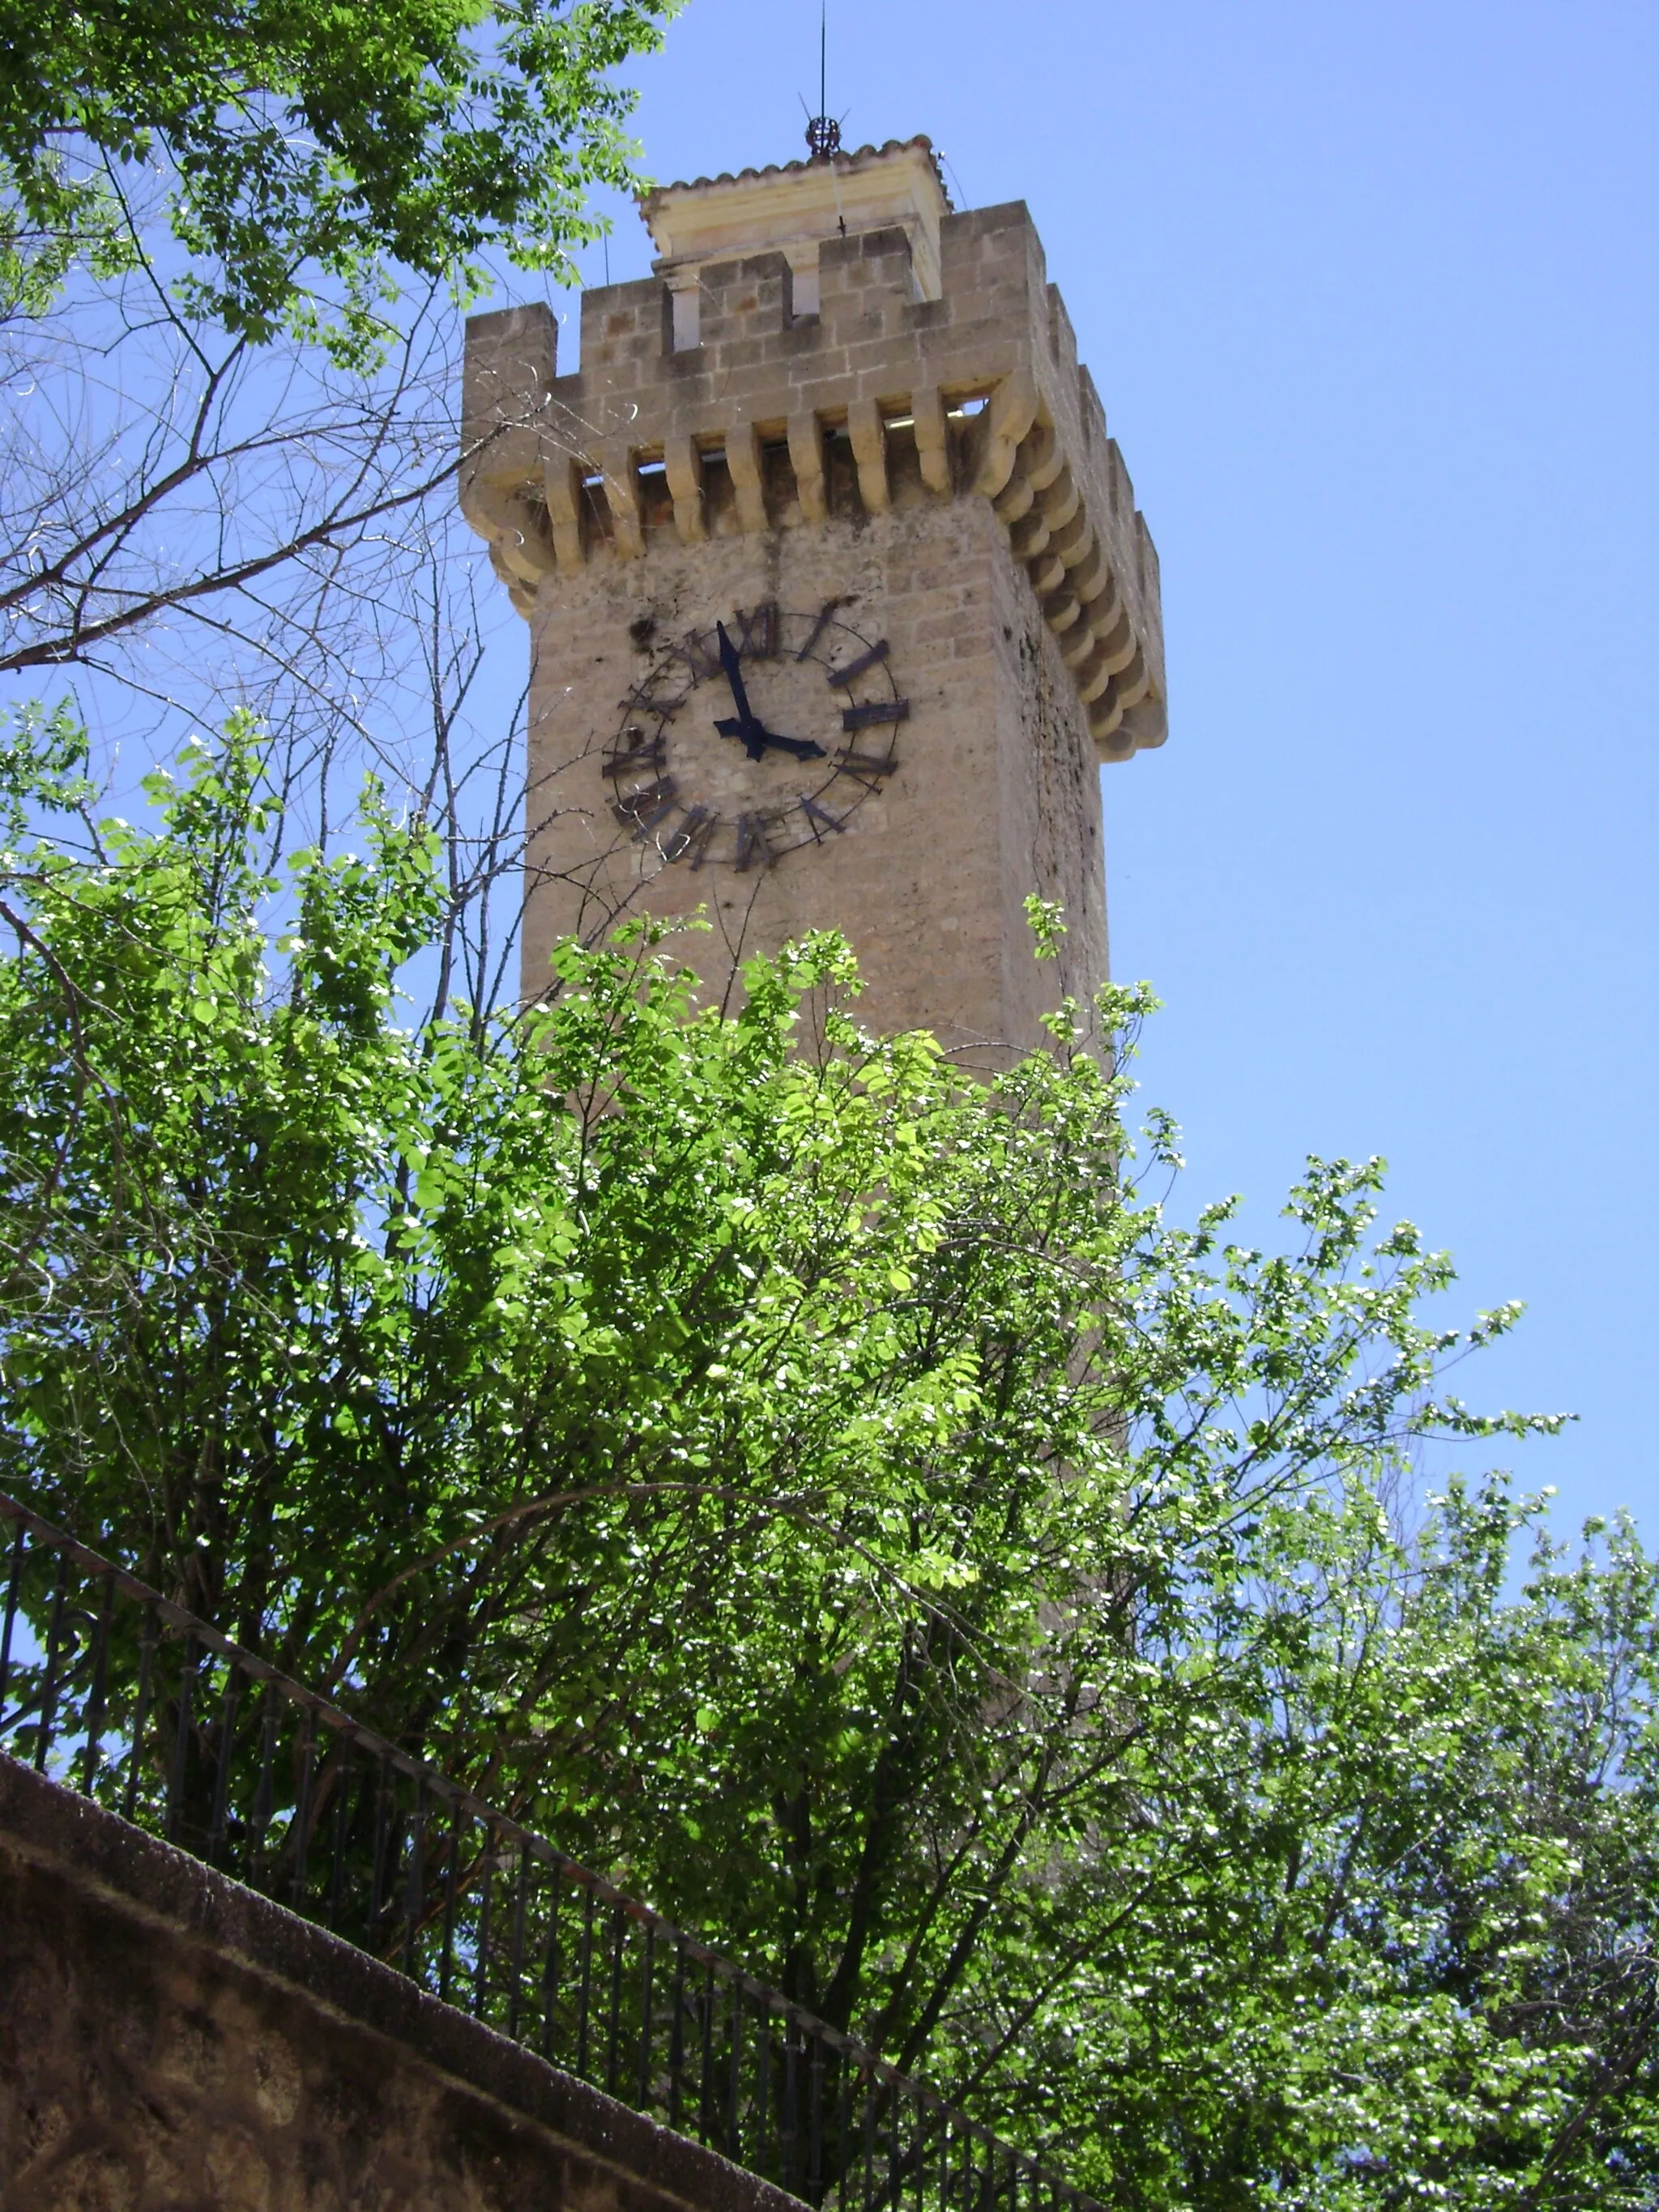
(748, 725)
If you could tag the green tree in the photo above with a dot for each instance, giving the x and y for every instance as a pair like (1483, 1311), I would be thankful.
(838, 1500)
(306, 154)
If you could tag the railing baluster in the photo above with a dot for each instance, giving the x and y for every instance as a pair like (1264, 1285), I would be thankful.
(550, 1966)
(49, 1688)
(13, 1585)
(515, 1997)
(147, 1640)
(265, 1796)
(645, 1966)
(302, 1826)
(869, 2139)
(181, 1742)
(734, 2075)
(585, 2002)
(705, 2069)
(815, 2117)
(789, 2105)
(342, 1829)
(843, 2125)
(480, 1963)
(676, 2035)
(613, 2026)
(762, 2082)
(219, 1818)
(415, 1881)
(383, 1809)
(452, 1878)
(97, 1699)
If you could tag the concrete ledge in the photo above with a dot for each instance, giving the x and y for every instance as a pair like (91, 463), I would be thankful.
(152, 2003)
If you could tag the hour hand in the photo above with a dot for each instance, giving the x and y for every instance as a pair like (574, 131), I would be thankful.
(757, 737)
(753, 734)
(802, 748)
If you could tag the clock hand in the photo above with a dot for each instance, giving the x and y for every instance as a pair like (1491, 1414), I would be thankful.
(757, 737)
(802, 748)
(746, 714)
(752, 733)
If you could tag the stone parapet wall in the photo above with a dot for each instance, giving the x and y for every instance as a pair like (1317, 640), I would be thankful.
(740, 431)
(170, 2040)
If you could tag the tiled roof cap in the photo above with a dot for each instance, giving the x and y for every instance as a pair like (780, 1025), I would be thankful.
(921, 143)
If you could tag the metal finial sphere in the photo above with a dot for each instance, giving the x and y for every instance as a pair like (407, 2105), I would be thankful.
(823, 134)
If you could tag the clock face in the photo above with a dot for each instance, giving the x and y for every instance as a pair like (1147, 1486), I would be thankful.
(756, 737)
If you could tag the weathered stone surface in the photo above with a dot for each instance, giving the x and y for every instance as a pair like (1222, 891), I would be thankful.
(170, 2042)
(979, 518)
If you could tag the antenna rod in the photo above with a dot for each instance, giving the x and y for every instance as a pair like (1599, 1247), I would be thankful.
(822, 131)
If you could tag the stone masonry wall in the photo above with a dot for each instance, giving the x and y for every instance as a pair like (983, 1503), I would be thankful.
(996, 794)
(939, 469)
(551, 473)
(172, 2043)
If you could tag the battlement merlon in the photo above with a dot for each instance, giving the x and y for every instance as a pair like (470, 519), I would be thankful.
(985, 377)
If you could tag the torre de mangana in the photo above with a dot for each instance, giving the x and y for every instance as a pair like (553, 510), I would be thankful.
(836, 588)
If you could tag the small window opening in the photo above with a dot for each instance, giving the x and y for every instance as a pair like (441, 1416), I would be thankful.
(596, 509)
(719, 492)
(656, 501)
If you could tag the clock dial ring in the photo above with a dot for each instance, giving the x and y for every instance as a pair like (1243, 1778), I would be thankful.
(704, 777)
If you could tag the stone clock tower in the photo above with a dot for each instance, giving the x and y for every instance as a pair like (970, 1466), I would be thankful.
(836, 591)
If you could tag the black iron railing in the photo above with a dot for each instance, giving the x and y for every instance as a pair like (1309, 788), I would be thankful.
(108, 1686)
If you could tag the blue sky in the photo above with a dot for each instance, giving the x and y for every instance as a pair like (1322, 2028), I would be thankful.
(1368, 292)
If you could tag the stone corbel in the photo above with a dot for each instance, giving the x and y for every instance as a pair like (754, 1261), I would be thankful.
(1094, 681)
(1008, 415)
(1041, 457)
(742, 458)
(1073, 540)
(869, 437)
(683, 465)
(621, 498)
(1105, 720)
(1029, 536)
(932, 440)
(1133, 680)
(621, 493)
(1117, 643)
(1047, 572)
(562, 475)
(1060, 500)
(1016, 499)
(514, 527)
(806, 457)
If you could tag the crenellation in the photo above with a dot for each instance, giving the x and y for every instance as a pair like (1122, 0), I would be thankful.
(931, 389)
(623, 327)
(742, 301)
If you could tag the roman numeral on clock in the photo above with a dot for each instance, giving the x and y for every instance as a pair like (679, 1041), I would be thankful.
(878, 710)
(861, 666)
(826, 615)
(816, 814)
(865, 768)
(690, 840)
(647, 753)
(751, 843)
(703, 660)
(648, 805)
(757, 632)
